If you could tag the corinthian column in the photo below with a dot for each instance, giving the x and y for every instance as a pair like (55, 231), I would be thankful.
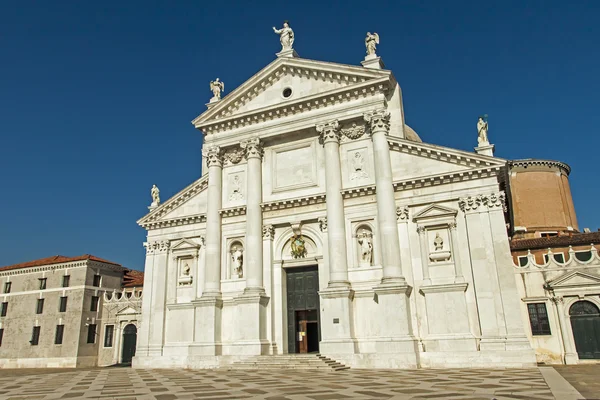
(336, 238)
(379, 122)
(254, 245)
(212, 268)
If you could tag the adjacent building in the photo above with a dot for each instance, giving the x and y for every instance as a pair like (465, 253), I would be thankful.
(52, 311)
(557, 267)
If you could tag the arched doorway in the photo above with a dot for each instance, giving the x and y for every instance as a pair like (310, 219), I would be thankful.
(585, 322)
(129, 341)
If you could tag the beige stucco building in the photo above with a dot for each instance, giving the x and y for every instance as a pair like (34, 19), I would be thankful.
(53, 309)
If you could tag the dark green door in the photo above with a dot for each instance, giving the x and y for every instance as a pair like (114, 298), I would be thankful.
(129, 341)
(302, 295)
(585, 322)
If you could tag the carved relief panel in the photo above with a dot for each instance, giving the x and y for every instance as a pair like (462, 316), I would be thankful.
(234, 186)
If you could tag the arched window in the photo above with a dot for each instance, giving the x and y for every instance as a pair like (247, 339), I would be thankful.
(584, 308)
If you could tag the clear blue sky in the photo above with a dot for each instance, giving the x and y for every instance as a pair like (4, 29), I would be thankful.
(96, 97)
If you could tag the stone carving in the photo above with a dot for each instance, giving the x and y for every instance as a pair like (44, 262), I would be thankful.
(378, 121)
(268, 232)
(214, 156)
(236, 189)
(365, 243)
(216, 87)
(452, 225)
(421, 230)
(234, 156)
(253, 148)
(482, 131)
(439, 254)
(237, 262)
(286, 36)
(494, 200)
(298, 246)
(158, 246)
(354, 132)
(185, 277)
(155, 193)
(371, 42)
(329, 131)
(358, 166)
(323, 224)
(402, 213)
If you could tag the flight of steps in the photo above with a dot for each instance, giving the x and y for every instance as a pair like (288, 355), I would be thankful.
(289, 361)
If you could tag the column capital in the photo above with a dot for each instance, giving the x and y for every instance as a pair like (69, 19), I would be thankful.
(323, 224)
(402, 213)
(268, 232)
(329, 132)
(159, 246)
(378, 120)
(253, 148)
(421, 230)
(452, 225)
(214, 156)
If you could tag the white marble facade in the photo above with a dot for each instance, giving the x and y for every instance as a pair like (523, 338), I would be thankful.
(409, 238)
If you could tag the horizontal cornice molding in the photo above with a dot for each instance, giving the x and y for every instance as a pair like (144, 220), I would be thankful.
(295, 202)
(545, 163)
(58, 266)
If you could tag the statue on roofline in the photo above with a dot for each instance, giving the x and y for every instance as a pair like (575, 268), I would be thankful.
(371, 42)
(286, 36)
(216, 87)
(482, 131)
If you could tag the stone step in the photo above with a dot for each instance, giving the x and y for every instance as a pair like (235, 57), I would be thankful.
(289, 361)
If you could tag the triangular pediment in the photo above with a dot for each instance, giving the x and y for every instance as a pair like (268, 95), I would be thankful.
(306, 78)
(575, 279)
(184, 244)
(187, 206)
(128, 311)
(435, 211)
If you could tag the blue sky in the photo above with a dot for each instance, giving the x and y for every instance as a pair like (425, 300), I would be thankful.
(96, 98)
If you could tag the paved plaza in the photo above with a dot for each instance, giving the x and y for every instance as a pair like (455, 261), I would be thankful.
(129, 384)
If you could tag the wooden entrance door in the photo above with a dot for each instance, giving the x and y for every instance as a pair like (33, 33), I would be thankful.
(129, 342)
(302, 309)
(585, 322)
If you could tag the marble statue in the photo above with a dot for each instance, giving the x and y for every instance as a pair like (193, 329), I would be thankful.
(185, 270)
(358, 164)
(438, 242)
(286, 36)
(366, 248)
(155, 195)
(237, 262)
(236, 189)
(217, 87)
(482, 131)
(371, 42)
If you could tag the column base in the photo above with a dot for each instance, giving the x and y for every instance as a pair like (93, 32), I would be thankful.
(571, 359)
(251, 324)
(207, 336)
(336, 320)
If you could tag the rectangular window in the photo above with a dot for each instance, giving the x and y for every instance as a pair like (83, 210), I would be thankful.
(94, 306)
(40, 306)
(523, 260)
(60, 329)
(96, 281)
(62, 307)
(548, 234)
(42, 283)
(108, 335)
(66, 279)
(559, 257)
(91, 333)
(4, 309)
(583, 255)
(538, 318)
(35, 336)
(1, 335)
(7, 286)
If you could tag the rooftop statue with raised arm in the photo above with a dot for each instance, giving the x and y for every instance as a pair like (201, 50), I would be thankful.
(286, 36)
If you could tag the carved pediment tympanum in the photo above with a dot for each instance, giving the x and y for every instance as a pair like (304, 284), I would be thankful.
(575, 279)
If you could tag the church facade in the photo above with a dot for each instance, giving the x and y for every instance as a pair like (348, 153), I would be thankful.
(322, 223)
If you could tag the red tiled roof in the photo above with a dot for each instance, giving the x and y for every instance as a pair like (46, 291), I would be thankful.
(577, 239)
(133, 278)
(56, 260)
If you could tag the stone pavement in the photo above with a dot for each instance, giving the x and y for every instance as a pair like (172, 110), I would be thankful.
(584, 378)
(126, 383)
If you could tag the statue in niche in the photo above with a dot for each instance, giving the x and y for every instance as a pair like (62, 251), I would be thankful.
(371, 42)
(366, 248)
(185, 271)
(185, 277)
(155, 193)
(216, 87)
(237, 262)
(358, 164)
(286, 36)
(438, 242)
(482, 131)
(236, 189)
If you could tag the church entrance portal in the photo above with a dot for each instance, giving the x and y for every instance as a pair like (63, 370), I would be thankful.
(585, 321)
(303, 310)
(129, 341)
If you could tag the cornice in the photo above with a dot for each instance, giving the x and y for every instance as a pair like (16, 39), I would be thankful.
(547, 163)
(151, 219)
(233, 211)
(179, 221)
(447, 178)
(67, 265)
(301, 105)
(291, 203)
(358, 191)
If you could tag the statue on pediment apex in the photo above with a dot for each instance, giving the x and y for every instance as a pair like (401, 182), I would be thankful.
(371, 42)
(286, 36)
(155, 195)
(482, 131)
(216, 87)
